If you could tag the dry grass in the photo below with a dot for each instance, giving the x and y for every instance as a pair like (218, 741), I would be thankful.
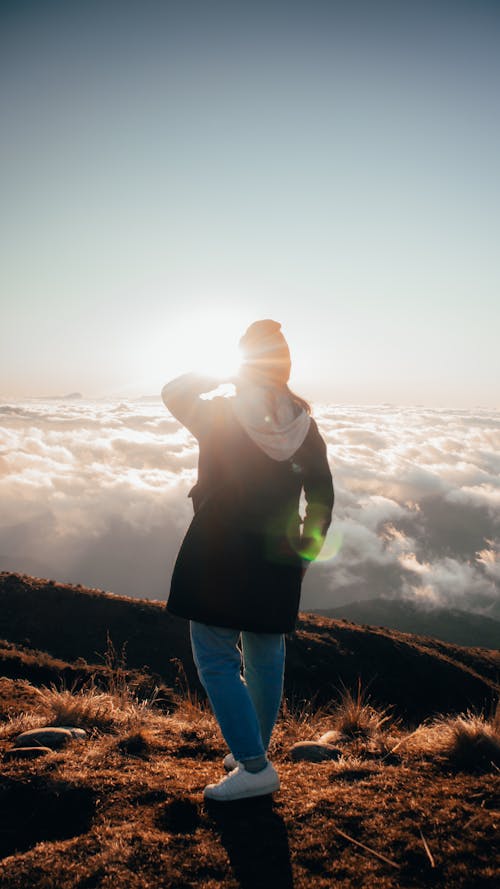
(353, 724)
(355, 821)
(355, 717)
(22, 722)
(474, 746)
(184, 697)
(113, 708)
(98, 709)
(469, 742)
(91, 708)
(300, 720)
(116, 671)
(125, 808)
(138, 742)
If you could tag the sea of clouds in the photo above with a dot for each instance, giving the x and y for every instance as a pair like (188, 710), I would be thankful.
(96, 493)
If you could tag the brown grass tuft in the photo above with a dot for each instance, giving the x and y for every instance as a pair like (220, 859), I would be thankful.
(356, 717)
(300, 720)
(184, 698)
(469, 742)
(474, 745)
(137, 742)
(22, 722)
(87, 707)
(94, 708)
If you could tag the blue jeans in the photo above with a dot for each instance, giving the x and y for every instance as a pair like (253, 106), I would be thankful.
(246, 707)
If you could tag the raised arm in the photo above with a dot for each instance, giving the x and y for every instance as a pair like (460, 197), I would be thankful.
(182, 398)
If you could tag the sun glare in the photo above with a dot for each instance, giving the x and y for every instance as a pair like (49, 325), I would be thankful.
(207, 344)
(219, 359)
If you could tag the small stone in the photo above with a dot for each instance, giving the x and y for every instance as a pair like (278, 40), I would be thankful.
(27, 752)
(79, 733)
(44, 737)
(314, 751)
(329, 737)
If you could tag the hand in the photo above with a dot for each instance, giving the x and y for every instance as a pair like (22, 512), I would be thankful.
(203, 383)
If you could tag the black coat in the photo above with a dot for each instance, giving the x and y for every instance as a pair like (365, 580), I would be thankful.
(238, 565)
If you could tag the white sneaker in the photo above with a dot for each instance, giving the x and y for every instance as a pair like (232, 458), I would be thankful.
(229, 762)
(240, 784)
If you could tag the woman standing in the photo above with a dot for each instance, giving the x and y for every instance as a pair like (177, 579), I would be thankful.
(239, 570)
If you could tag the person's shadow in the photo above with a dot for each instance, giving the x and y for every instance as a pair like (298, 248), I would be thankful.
(256, 841)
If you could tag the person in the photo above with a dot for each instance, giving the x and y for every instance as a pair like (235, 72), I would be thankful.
(239, 570)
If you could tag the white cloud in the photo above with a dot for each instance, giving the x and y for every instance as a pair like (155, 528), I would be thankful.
(417, 498)
(96, 493)
(489, 558)
(75, 475)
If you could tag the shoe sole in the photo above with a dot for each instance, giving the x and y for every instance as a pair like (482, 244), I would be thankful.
(245, 794)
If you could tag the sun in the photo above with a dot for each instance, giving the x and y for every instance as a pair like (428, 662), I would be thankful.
(206, 343)
(203, 341)
(218, 358)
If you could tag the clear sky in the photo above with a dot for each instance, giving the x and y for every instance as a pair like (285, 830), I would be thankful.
(172, 171)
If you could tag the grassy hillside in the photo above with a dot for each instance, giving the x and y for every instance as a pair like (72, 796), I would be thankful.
(402, 804)
(418, 677)
(448, 624)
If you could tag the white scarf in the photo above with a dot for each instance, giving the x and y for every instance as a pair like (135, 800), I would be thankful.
(273, 421)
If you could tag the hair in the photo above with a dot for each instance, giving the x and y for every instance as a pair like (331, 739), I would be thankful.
(302, 403)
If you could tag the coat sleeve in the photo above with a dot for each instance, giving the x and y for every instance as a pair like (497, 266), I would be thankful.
(319, 494)
(182, 398)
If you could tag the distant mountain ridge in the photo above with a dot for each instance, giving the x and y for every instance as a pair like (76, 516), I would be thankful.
(71, 396)
(54, 629)
(448, 624)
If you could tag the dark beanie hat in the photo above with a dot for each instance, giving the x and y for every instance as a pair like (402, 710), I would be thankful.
(265, 351)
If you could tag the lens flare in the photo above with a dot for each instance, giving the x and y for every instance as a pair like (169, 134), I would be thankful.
(330, 549)
(332, 545)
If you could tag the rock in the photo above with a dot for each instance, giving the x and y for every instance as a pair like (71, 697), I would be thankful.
(27, 752)
(314, 751)
(329, 737)
(76, 732)
(44, 737)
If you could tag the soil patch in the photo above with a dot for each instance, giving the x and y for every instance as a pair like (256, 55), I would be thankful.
(31, 812)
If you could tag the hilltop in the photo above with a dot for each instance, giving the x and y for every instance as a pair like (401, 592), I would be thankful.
(449, 624)
(399, 803)
(417, 676)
